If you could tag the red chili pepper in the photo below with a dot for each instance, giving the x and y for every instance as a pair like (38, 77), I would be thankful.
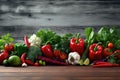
(107, 52)
(23, 57)
(4, 55)
(77, 45)
(47, 51)
(26, 41)
(95, 51)
(27, 61)
(101, 62)
(106, 65)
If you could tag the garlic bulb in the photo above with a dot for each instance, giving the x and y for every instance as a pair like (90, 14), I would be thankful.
(73, 58)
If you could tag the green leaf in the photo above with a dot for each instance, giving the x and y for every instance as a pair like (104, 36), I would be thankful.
(48, 36)
(90, 35)
(88, 32)
(112, 59)
(103, 34)
(19, 49)
(4, 39)
(117, 44)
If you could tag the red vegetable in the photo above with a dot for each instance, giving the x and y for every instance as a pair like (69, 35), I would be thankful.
(63, 56)
(36, 64)
(9, 47)
(77, 45)
(117, 53)
(4, 55)
(57, 53)
(26, 41)
(106, 65)
(95, 51)
(110, 45)
(107, 52)
(23, 57)
(27, 61)
(51, 61)
(47, 51)
(100, 62)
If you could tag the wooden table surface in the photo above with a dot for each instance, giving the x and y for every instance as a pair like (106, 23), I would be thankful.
(59, 73)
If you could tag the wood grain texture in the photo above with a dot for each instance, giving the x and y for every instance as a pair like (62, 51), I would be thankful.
(59, 73)
(59, 12)
(25, 17)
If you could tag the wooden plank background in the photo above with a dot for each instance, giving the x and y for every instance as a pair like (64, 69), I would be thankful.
(59, 73)
(21, 17)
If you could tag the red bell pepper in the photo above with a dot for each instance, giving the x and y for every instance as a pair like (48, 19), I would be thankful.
(95, 51)
(47, 51)
(77, 45)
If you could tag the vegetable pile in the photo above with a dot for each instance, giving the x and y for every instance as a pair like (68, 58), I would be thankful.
(45, 47)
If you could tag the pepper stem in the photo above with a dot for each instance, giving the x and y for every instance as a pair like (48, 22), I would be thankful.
(77, 37)
(95, 48)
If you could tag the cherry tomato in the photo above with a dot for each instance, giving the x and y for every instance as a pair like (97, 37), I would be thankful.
(107, 52)
(36, 64)
(110, 45)
(63, 56)
(9, 47)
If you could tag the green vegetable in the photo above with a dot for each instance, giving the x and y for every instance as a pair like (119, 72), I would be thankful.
(5, 62)
(63, 45)
(90, 38)
(14, 60)
(81, 62)
(103, 36)
(112, 59)
(56, 41)
(19, 49)
(48, 36)
(109, 34)
(5, 39)
(44, 63)
(33, 52)
(86, 62)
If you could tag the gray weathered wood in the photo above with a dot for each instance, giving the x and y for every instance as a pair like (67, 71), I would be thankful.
(20, 17)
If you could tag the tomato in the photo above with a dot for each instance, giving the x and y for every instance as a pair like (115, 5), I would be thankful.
(110, 45)
(107, 52)
(63, 56)
(9, 47)
(36, 64)
(57, 53)
(60, 55)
